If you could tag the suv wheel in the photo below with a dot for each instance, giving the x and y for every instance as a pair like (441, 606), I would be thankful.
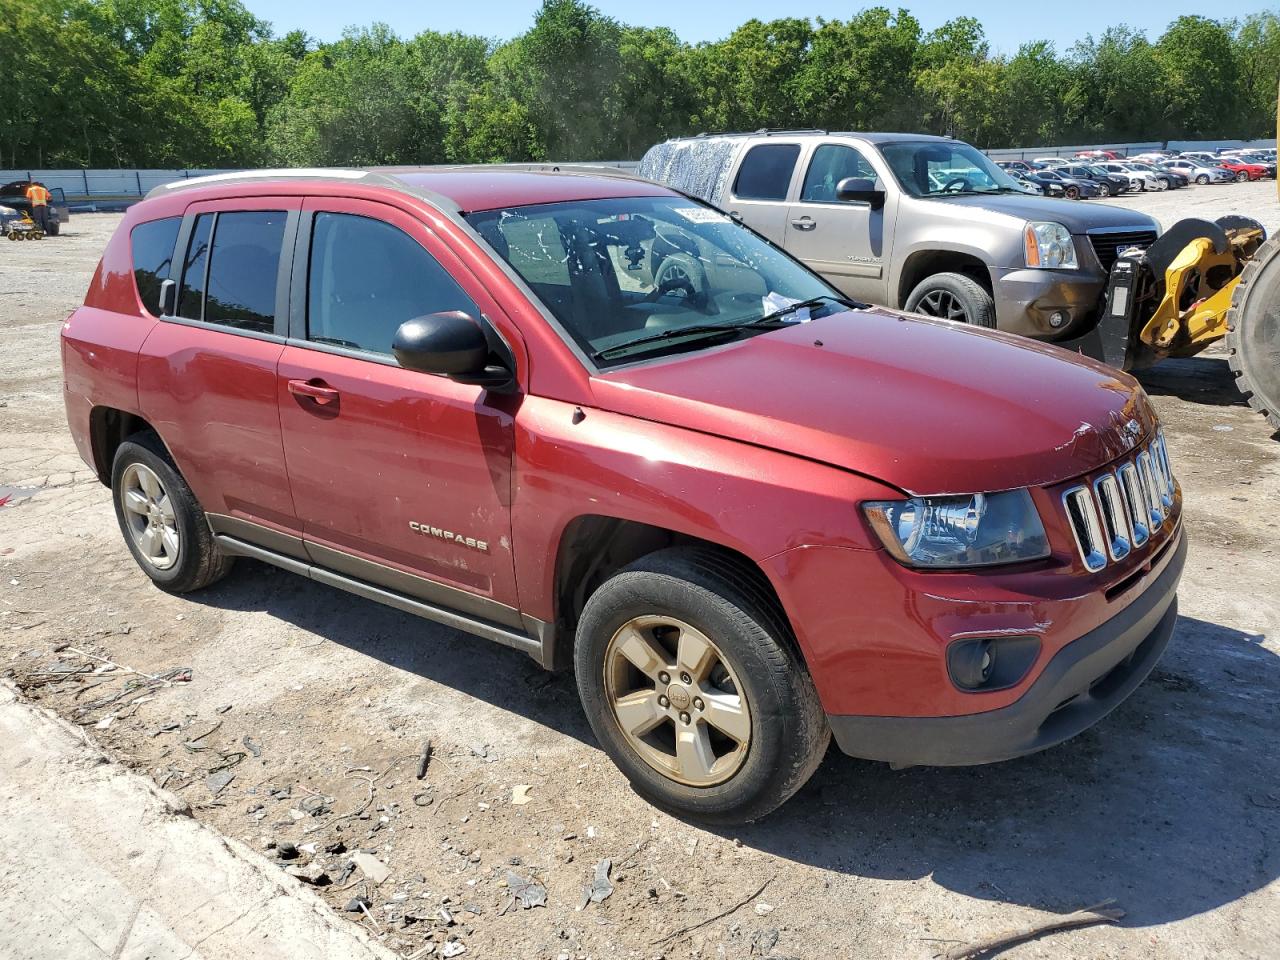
(161, 521)
(953, 296)
(690, 680)
(1203, 179)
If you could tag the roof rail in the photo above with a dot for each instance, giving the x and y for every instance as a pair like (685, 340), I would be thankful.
(294, 173)
(778, 131)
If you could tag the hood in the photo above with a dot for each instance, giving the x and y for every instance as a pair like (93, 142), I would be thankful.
(1076, 218)
(927, 406)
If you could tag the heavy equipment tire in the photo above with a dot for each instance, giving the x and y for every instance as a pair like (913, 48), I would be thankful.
(692, 682)
(943, 293)
(1253, 332)
(162, 522)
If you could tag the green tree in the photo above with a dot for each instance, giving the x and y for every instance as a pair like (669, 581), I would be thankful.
(1200, 79)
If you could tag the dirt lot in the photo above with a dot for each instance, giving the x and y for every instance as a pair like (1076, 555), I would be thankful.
(1170, 806)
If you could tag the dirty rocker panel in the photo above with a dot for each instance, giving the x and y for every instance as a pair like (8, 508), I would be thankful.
(454, 608)
(1085, 680)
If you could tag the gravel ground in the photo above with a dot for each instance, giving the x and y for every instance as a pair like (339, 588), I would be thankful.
(319, 704)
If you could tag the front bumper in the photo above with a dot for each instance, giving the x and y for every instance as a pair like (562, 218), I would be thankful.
(1027, 298)
(1085, 680)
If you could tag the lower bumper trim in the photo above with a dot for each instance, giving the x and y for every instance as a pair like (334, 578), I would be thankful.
(1084, 681)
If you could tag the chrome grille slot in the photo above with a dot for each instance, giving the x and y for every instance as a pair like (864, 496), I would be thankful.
(1123, 508)
(1086, 527)
(1135, 499)
(1115, 521)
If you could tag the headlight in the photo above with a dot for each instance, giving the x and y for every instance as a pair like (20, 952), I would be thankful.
(1049, 245)
(974, 530)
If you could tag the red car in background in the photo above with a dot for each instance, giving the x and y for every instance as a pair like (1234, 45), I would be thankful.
(1098, 155)
(751, 514)
(1243, 171)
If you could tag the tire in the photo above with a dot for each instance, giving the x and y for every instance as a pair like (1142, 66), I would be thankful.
(55, 227)
(1203, 179)
(185, 557)
(930, 297)
(1253, 332)
(688, 596)
(1242, 176)
(1071, 192)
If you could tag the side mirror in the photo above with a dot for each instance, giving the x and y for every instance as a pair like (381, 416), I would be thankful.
(450, 343)
(168, 298)
(861, 190)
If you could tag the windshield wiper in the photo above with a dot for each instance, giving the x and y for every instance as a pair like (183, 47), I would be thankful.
(777, 315)
(700, 331)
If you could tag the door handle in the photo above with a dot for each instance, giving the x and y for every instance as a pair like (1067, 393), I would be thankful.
(314, 390)
(804, 223)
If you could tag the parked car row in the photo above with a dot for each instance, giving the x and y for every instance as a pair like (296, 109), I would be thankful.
(1105, 173)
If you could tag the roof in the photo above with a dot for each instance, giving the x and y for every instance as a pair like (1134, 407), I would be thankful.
(869, 137)
(468, 188)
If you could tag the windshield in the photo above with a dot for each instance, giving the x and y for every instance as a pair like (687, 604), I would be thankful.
(665, 270)
(932, 169)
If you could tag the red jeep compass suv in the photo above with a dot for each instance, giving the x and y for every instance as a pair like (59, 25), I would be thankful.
(749, 513)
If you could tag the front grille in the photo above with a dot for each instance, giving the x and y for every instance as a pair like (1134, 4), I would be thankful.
(1123, 508)
(1107, 244)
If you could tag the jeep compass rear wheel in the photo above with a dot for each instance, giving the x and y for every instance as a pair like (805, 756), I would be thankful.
(162, 523)
(690, 680)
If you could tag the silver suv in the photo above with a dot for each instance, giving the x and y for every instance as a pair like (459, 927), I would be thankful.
(927, 224)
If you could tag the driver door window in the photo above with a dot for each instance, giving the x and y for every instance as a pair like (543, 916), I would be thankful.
(367, 277)
(831, 163)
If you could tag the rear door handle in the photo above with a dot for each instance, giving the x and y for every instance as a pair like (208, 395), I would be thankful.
(804, 223)
(315, 390)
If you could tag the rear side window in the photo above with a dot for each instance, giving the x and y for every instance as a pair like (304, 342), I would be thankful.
(766, 171)
(231, 269)
(367, 277)
(152, 247)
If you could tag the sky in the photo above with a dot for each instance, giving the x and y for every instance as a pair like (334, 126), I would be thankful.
(1007, 24)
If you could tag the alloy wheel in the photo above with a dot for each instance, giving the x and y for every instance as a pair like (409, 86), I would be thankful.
(677, 700)
(149, 515)
(944, 304)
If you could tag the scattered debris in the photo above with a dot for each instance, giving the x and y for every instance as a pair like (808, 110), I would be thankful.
(105, 722)
(313, 873)
(225, 707)
(371, 867)
(764, 940)
(252, 746)
(424, 759)
(719, 916)
(356, 905)
(1087, 916)
(452, 948)
(600, 888)
(520, 794)
(217, 782)
(764, 909)
(529, 893)
(286, 850)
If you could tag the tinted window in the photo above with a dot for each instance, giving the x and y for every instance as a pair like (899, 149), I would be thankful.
(831, 163)
(243, 269)
(366, 278)
(191, 303)
(153, 245)
(766, 171)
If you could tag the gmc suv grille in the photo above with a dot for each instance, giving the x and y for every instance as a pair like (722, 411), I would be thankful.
(1107, 244)
(1123, 508)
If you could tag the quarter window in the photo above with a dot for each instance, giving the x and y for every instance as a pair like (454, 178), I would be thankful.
(152, 247)
(366, 278)
(831, 163)
(766, 171)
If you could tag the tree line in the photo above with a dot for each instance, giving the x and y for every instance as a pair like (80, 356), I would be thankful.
(205, 83)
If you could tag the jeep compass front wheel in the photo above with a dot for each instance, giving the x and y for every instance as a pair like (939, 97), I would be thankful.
(689, 677)
(162, 523)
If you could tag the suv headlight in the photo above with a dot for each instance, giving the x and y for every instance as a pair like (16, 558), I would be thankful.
(974, 530)
(1049, 245)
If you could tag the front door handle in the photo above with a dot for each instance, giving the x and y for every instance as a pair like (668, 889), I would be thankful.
(804, 223)
(315, 390)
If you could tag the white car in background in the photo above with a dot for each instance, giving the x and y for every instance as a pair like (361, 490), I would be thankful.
(1051, 161)
(1138, 179)
(1201, 173)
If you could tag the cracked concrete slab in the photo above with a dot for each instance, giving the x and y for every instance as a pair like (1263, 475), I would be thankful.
(100, 863)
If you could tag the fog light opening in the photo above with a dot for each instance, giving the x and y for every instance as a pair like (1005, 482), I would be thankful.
(982, 664)
(1059, 318)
